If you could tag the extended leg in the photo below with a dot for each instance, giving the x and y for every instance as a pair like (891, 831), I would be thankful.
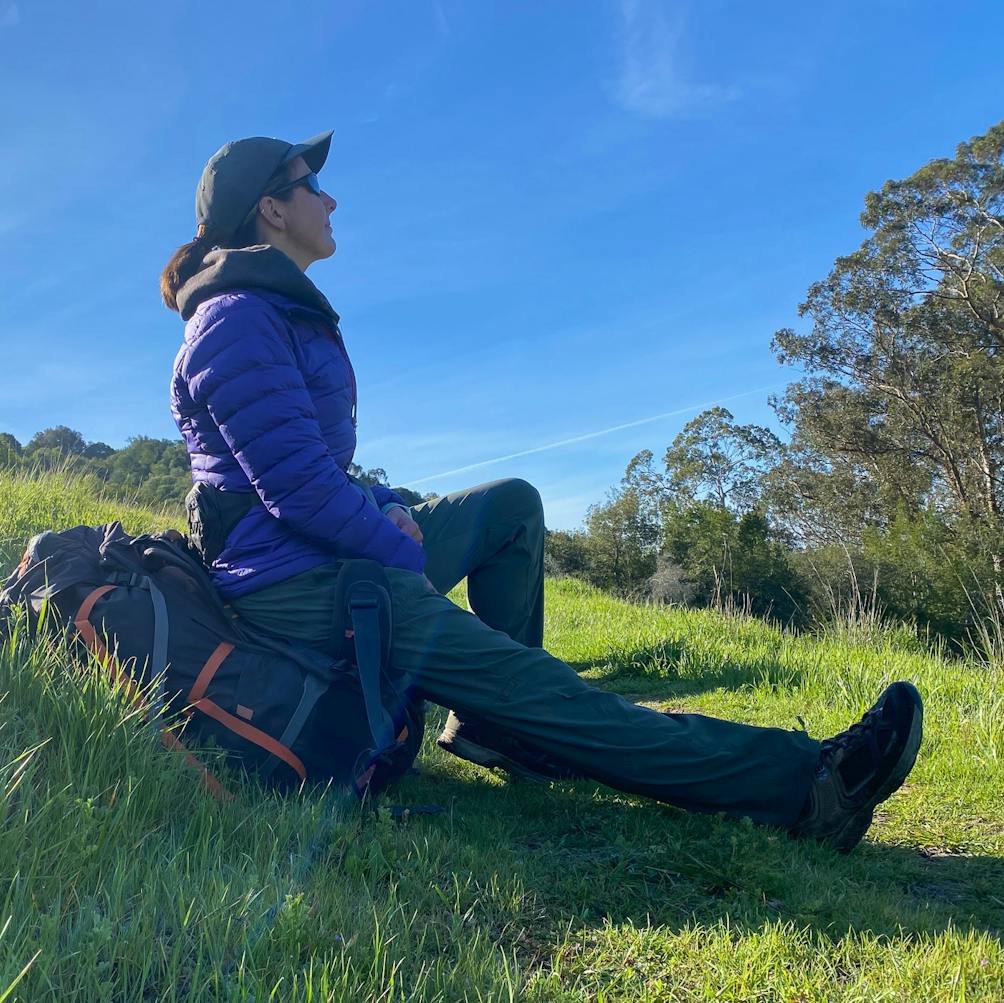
(685, 759)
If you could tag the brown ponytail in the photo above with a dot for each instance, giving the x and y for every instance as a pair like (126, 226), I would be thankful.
(184, 263)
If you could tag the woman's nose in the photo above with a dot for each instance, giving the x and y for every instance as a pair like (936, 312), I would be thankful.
(331, 204)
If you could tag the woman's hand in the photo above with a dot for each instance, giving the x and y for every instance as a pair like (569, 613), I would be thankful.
(405, 523)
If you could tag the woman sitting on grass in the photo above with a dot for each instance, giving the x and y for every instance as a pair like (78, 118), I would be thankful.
(264, 395)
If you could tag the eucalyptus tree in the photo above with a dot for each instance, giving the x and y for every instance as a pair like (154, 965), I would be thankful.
(902, 405)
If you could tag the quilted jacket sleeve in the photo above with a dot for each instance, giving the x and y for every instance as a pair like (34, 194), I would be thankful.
(243, 370)
(384, 497)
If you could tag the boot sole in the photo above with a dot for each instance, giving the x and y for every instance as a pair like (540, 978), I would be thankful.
(489, 759)
(909, 754)
(858, 824)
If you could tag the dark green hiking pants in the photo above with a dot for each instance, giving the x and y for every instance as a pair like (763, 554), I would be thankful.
(492, 667)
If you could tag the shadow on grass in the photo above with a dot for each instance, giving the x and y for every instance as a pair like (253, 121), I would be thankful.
(587, 855)
(656, 670)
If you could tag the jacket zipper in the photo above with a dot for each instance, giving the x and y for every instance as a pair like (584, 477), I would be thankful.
(352, 374)
(345, 355)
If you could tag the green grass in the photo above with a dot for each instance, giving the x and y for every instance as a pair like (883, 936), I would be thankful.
(123, 881)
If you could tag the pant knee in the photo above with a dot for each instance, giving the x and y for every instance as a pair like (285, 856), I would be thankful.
(517, 495)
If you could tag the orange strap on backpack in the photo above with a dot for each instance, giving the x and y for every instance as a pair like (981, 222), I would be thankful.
(197, 701)
(168, 739)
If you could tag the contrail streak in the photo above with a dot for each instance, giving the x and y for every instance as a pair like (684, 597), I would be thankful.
(593, 435)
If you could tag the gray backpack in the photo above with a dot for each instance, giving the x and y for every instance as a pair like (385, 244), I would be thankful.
(284, 712)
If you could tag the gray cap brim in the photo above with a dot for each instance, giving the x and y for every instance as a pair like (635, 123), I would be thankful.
(314, 151)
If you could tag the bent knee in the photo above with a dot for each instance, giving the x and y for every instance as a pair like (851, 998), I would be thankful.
(517, 495)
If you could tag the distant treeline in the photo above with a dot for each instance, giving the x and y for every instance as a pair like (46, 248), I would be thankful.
(151, 472)
(889, 491)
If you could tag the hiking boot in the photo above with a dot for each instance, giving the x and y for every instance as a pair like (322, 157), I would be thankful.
(859, 768)
(487, 746)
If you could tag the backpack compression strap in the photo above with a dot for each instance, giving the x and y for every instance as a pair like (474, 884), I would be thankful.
(364, 611)
(197, 700)
(82, 622)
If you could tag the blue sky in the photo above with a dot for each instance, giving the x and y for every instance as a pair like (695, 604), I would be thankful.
(555, 218)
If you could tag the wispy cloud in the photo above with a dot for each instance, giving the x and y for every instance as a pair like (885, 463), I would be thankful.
(588, 435)
(415, 443)
(10, 15)
(442, 21)
(653, 80)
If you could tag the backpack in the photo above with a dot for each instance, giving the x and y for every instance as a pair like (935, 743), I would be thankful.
(284, 712)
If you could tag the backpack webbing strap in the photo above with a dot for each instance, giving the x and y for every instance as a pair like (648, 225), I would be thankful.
(213, 662)
(254, 735)
(158, 660)
(362, 780)
(364, 611)
(313, 689)
(82, 622)
(198, 701)
(171, 741)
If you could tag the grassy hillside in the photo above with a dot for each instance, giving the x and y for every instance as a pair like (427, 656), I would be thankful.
(124, 882)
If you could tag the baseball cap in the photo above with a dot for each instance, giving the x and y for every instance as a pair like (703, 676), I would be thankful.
(236, 175)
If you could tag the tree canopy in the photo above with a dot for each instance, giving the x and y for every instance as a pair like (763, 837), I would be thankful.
(891, 482)
(902, 406)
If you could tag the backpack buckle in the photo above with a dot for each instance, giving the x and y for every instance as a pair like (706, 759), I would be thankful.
(363, 602)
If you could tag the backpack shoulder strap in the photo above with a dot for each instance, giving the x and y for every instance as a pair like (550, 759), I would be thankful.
(363, 606)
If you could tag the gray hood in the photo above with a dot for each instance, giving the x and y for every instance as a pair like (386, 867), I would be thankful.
(260, 267)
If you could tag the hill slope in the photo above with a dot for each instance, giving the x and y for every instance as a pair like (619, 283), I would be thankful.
(125, 882)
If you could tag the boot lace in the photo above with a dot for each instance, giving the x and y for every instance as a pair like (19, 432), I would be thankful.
(863, 732)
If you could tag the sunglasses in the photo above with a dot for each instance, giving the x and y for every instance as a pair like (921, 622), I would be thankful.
(309, 181)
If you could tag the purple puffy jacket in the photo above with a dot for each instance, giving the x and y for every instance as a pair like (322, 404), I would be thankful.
(264, 395)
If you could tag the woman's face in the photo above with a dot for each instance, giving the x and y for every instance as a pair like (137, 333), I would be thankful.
(304, 230)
